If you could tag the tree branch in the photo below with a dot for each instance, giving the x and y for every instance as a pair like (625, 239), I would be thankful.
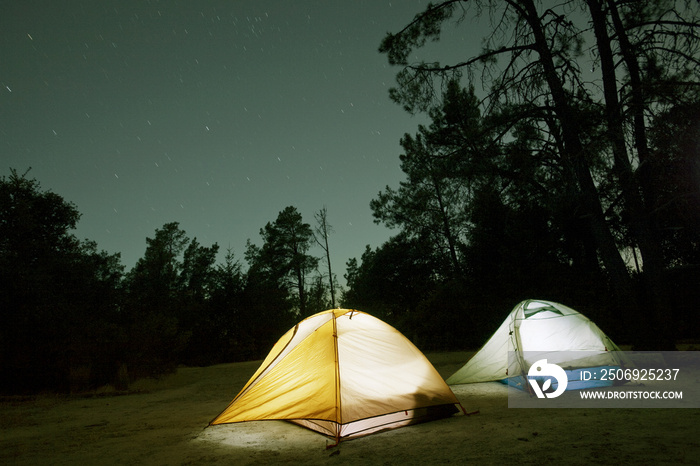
(482, 57)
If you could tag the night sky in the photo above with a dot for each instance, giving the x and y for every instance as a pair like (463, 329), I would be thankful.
(214, 114)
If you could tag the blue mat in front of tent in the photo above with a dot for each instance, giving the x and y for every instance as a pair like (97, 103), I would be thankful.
(579, 379)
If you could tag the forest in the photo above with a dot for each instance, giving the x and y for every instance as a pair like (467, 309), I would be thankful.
(562, 162)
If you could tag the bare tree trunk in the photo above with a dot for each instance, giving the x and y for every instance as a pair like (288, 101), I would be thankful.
(574, 154)
(323, 229)
(302, 291)
(447, 230)
(637, 101)
(649, 249)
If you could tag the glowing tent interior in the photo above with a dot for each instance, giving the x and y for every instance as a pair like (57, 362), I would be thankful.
(535, 330)
(343, 373)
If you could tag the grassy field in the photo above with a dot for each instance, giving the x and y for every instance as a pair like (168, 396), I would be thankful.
(164, 422)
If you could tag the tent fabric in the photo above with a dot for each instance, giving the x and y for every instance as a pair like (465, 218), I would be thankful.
(343, 373)
(534, 330)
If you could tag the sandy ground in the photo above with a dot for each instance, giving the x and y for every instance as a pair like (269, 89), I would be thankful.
(165, 423)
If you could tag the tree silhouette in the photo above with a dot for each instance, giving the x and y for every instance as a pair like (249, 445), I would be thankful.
(58, 296)
(322, 231)
(532, 69)
(283, 257)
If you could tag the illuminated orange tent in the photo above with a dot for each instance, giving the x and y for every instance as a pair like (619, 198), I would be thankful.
(343, 373)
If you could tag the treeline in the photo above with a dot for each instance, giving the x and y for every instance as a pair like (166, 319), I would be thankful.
(72, 319)
(561, 162)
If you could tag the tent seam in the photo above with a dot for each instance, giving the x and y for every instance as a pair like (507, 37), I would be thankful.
(338, 407)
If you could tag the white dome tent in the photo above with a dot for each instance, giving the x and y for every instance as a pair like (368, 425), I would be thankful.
(536, 330)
